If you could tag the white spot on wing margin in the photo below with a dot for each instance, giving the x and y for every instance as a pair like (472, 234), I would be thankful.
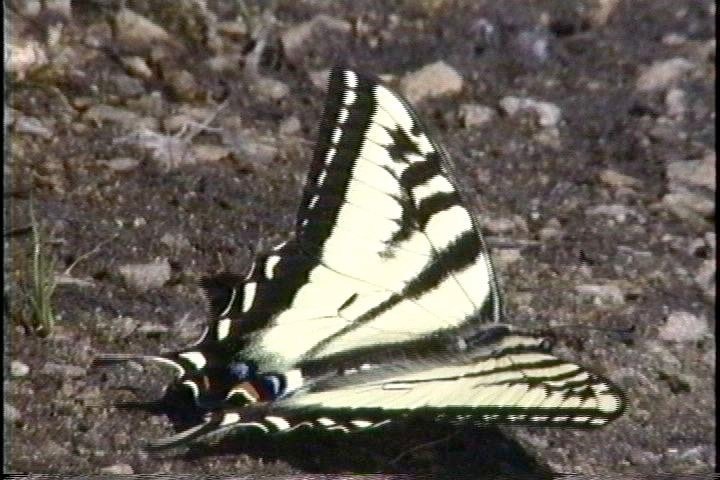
(223, 328)
(351, 79)
(273, 260)
(249, 297)
(196, 358)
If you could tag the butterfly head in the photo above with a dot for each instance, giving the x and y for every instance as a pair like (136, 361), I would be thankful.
(239, 384)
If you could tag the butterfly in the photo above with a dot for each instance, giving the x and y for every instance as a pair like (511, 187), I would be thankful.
(383, 304)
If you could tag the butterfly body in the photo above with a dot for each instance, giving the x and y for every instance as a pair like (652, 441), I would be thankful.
(383, 304)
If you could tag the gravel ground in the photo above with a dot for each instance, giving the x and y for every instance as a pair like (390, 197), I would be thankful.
(161, 142)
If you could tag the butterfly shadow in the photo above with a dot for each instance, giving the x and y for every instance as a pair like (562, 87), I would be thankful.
(413, 445)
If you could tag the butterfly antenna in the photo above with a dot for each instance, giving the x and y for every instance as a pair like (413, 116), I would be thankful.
(624, 334)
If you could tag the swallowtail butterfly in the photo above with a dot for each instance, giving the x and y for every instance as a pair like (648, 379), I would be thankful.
(383, 304)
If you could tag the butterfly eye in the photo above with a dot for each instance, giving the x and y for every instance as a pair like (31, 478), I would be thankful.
(241, 370)
(273, 385)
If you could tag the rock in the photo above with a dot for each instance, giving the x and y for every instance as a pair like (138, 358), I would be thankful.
(122, 164)
(687, 205)
(224, 63)
(134, 30)
(127, 86)
(319, 78)
(696, 455)
(118, 469)
(259, 151)
(709, 358)
(673, 39)
(616, 179)
(29, 8)
(67, 371)
(552, 229)
(707, 50)
(475, 115)
(705, 278)
(506, 256)
(146, 276)
(710, 240)
(270, 88)
(23, 58)
(175, 241)
(535, 439)
(12, 414)
(600, 11)
(183, 84)
(697, 247)
(665, 358)
(548, 114)
(290, 126)
(663, 74)
(295, 39)
(692, 173)
(497, 226)
(521, 225)
(683, 327)
(32, 126)
(151, 104)
(549, 136)
(618, 211)
(484, 33)
(645, 458)
(53, 449)
(59, 7)
(138, 67)
(179, 122)
(676, 103)
(610, 294)
(98, 34)
(234, 29)
(532, 46)
(204, 153)
(152, 329)
(10, 115)
(230, 124)
(434, 80)
(666, 130)
(18, 369)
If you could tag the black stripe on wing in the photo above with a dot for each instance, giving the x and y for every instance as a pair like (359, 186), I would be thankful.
(331, 168)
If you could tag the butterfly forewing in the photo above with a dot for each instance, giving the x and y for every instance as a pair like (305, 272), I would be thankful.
(393, 255)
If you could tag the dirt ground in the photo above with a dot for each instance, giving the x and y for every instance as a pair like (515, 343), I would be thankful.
(176, 136)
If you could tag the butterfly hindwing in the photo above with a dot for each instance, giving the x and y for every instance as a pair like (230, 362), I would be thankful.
(513, 380)
(507, 377)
